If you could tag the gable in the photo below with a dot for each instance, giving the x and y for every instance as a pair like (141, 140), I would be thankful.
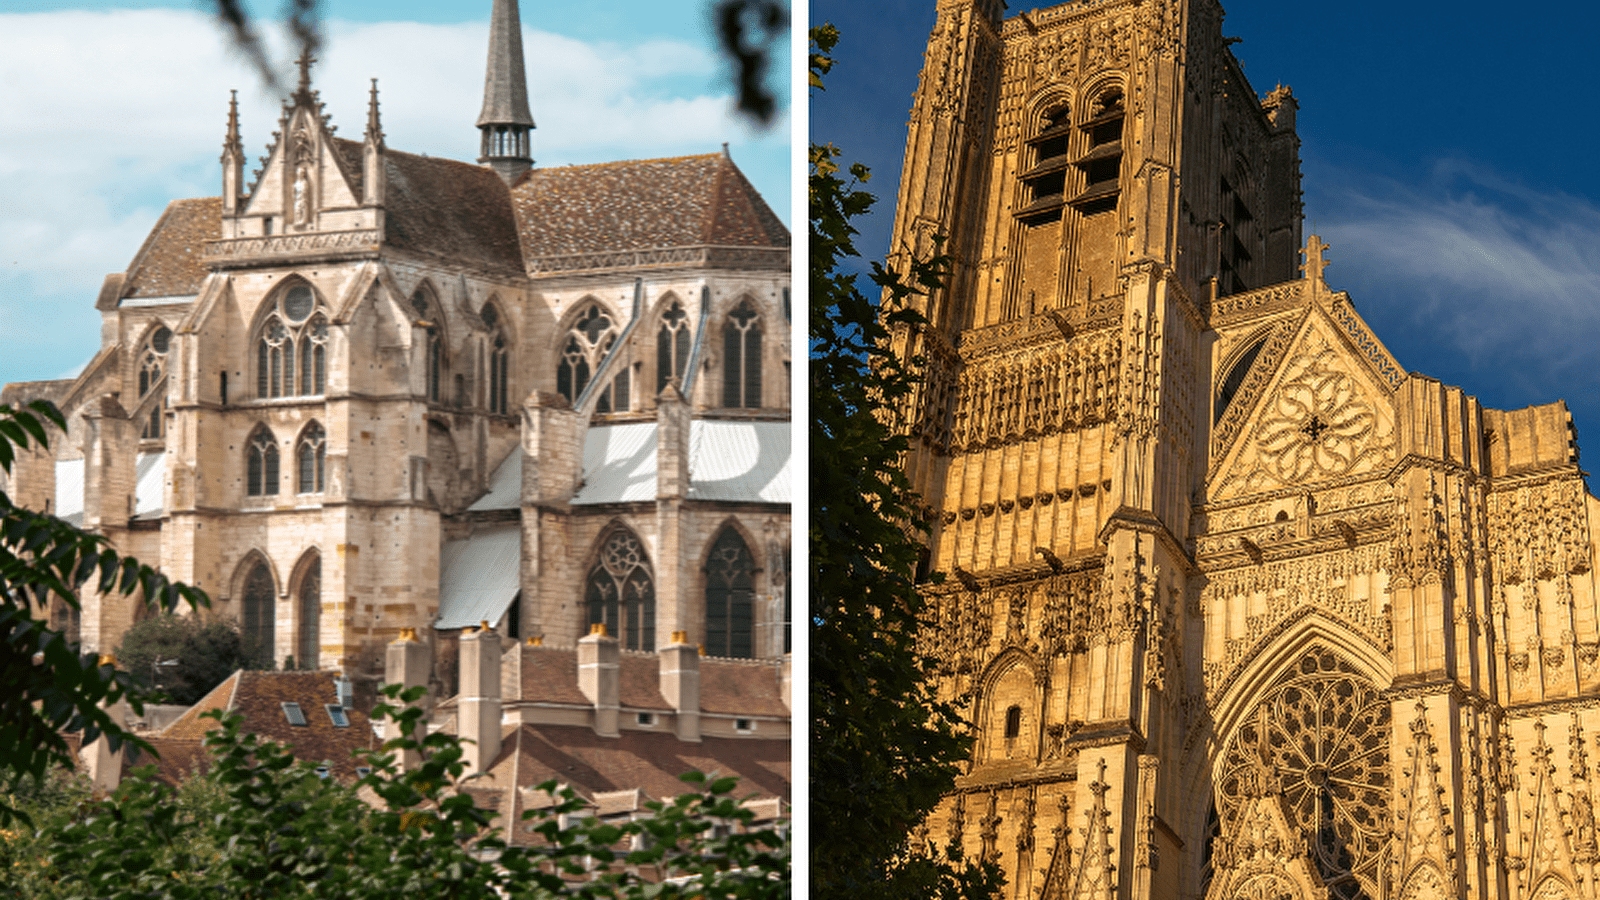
(1322, 415)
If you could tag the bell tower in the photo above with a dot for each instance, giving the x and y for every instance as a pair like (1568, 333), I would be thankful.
(1099, 173)
(505, 121)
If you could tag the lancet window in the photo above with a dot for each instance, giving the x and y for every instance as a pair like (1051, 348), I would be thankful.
(152, 365)
(585, 345)
(672, 346)
(292, 347)
(256, 613)
(261, 463)
(741, 357)
(433, 363)
(499, 361)
(310, 458)
(730, 597)
(620, 592)
(309, 646)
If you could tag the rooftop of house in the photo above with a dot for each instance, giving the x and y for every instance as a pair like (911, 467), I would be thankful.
(263, 698)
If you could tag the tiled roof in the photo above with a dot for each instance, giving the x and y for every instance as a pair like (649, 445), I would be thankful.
(642, 205)
(168, 265)
(549, 675)
(648, 761)
(740, 687)
(259, 697)
(452, 211)
(639, 682)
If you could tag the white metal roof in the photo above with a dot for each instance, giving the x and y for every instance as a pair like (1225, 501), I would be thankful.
(505, 485)
(619, 464)
(69, 490)
(479, 577)
(741, 461)
(149, 494)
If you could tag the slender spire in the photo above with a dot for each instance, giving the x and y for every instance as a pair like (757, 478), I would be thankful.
(232, 159)
(374, 133)
(304, 64)
(233, 144)
(505, 120)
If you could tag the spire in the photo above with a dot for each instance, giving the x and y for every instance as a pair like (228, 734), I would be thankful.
(374, 133)
(232, 159)
(304, 64)
(374, 182)
(505, 120)
(232, 145)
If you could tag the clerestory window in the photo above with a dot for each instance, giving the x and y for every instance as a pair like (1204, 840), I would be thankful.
(672, 346)
(152, 365)
(741, 357)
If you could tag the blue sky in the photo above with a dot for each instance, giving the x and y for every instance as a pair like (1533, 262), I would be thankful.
(1445, 159)
(111, 109)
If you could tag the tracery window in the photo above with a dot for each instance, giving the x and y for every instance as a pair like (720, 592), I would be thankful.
(309, 646)
(292, 349)
(256, 614)
(741, 357)
(585, 345)
(310, 456)
(499, 361)
(152, 364)
(1321, 735)
(615, 397)
(672, 346)
(434, 361)
(730, 597)
(261, 463)
(620, 592)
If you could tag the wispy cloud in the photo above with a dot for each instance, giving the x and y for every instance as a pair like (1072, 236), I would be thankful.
(1473, 277)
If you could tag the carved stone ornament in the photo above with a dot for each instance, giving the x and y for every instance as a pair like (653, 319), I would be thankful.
(1318, 426)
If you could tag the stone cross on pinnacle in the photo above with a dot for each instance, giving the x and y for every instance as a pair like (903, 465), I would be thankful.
(304, 64)
(1316, 261)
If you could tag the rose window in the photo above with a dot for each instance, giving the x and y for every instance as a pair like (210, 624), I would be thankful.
(1322, 733)
(1317, 426)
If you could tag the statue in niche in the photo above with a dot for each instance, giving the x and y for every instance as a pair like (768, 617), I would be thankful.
(302, 195)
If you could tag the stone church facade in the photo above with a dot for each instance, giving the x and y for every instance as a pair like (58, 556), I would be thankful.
(1239, 607)
(367, 392)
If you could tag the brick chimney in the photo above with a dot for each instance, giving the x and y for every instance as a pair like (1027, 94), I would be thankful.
(479, 700)
(406, 664)
(680, 683)
(599, 677)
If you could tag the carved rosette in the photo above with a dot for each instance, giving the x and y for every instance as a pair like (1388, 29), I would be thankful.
(1318, 426)
(1322, 732)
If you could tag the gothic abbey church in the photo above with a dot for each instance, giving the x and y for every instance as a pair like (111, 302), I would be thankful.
(371, 397)
(1240, 608)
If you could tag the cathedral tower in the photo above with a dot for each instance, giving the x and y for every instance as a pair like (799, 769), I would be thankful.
(1229, 600)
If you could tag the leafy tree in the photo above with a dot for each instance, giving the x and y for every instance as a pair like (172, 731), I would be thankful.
(50, 687)
(259, 824)
(195, 655)
(884, 748)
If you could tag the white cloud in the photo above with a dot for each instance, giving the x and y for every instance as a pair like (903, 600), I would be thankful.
(109, 115)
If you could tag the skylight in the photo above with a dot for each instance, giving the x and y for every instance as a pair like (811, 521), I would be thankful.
(291, 711)
(336, 715)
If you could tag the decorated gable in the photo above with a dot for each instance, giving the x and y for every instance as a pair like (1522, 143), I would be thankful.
(1323, 415)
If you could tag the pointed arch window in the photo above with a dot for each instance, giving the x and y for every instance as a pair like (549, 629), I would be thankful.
(434, 362)
(292, 346)
(499, 360)
(672, 346)
(730, 597)
(261, 463)
(620, 592)
(310, 455)
(152, 365)
(256, 613)
(583, 347)
(308, 648)
(741, 357)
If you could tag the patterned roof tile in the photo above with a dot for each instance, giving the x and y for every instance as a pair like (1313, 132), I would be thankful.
(168, 265)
